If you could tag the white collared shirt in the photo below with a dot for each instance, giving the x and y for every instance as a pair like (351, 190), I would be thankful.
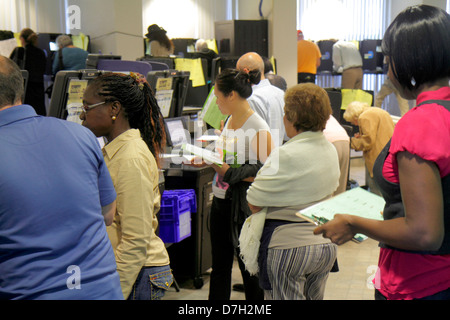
(268, 101)
(346, 55)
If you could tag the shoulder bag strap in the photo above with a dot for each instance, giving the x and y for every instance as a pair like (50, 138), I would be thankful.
(60, 60)
(444, 103)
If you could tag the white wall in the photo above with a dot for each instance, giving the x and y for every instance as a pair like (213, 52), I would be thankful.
(45, 16)
(398, 6)
(184, 18)
(283, 39)
(114, 26)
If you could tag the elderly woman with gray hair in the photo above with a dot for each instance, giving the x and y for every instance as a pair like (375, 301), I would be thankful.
(68, 57)
(293, 263)
(375, 130)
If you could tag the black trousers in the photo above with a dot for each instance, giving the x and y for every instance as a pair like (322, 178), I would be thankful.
(306, 78)
(223, 253)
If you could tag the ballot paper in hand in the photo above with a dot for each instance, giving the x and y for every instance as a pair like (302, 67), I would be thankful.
(205, 154)
(356, 201)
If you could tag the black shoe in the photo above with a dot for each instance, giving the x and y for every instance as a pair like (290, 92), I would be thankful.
(238, 287)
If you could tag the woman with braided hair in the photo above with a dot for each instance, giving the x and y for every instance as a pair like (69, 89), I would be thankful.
(123, 109)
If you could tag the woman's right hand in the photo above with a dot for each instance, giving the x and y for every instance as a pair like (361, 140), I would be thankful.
(197, 162)
(254, 209)
(338, 230)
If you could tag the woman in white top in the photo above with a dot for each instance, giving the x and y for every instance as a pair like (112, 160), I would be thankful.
(245, 144)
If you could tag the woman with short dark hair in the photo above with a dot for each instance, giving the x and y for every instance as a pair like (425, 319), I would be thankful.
(123, 109)
(413, 171)
(294, 264)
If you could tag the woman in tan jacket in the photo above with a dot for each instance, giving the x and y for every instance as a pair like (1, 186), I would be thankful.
(375, 130)
(122, 109)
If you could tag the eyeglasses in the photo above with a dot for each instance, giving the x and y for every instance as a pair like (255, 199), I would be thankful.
(86, 108)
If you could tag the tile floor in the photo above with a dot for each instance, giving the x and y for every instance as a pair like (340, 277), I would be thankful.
(357, 263)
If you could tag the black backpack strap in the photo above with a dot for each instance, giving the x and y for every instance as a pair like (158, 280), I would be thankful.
(19, 57)
(60, 60)
(444, 103)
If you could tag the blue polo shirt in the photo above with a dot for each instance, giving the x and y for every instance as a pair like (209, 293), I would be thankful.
(53, 182)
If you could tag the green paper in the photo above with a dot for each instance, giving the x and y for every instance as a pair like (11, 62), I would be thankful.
(211, 113)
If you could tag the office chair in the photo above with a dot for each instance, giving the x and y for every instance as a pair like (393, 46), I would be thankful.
(167, 60)
(335, 96)
(215, 69)
(158, 66)
(125, 66)
(93, 59)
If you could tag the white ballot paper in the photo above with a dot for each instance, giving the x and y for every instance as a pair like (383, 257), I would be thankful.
(207, 155)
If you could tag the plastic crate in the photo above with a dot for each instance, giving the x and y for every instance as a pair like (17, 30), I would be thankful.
(176, 201)
(175, 214)
(171, 231)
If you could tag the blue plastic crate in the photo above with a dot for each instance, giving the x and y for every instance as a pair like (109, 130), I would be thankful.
(171, 231)
(175, 201)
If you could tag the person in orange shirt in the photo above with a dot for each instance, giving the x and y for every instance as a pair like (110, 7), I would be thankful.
(308, 59)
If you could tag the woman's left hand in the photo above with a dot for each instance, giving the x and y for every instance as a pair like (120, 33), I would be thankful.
(221, 170)
(338, 230)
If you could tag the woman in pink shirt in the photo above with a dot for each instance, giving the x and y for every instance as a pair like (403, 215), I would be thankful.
(413, 171)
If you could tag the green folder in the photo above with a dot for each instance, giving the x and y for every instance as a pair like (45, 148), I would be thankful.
(211, 113)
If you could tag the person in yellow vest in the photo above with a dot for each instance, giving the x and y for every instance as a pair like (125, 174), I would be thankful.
(308, 59)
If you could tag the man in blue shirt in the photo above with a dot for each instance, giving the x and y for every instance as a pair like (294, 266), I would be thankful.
(73, 58)
(56, 197)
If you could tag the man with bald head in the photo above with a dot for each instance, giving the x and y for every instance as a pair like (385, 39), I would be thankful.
(266, 100)
(56, 195)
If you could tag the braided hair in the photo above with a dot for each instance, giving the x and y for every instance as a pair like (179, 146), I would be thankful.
(139, 104)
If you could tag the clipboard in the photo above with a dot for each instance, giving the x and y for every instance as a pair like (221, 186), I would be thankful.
(356, 201)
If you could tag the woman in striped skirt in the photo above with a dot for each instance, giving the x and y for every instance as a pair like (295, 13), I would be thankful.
(294, 263)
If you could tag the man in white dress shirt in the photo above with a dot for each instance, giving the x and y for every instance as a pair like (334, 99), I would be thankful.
(348, 61)
(266, 100)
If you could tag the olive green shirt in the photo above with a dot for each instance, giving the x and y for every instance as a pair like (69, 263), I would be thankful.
(135, 175)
